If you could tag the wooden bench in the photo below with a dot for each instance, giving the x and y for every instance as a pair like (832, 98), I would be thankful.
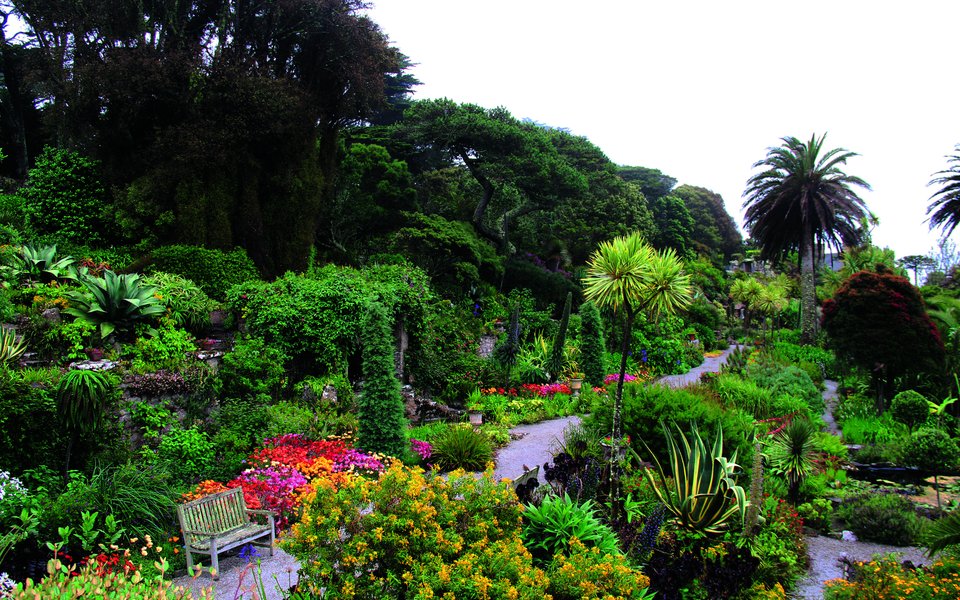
(220, 522)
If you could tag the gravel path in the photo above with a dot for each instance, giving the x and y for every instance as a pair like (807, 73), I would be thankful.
(534, 448)
(711, 364)
(237, 577)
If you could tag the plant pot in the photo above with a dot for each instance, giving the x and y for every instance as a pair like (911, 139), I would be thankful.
(476, 418)
(575, 385)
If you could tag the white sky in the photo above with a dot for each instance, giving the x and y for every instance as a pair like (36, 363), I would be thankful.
(701, 89)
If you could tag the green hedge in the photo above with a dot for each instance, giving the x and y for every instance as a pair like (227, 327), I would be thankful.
(215, 271)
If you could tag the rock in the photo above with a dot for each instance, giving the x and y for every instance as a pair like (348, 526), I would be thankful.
(848, 536)
(52, 315)
(329, 394)
(93, 365)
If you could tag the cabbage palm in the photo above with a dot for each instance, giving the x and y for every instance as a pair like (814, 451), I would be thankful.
(945, 204)
(799, 199)
(627, 275)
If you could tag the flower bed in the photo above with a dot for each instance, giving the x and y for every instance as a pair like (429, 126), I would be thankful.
(280, 472)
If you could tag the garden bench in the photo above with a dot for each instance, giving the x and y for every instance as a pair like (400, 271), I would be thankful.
(219, 522)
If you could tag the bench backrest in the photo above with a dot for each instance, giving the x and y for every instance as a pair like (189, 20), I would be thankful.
(215, 513)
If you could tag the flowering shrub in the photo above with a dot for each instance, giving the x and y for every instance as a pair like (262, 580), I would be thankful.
(780, 544)
(587, 574)
(414, 535)
(886, 579)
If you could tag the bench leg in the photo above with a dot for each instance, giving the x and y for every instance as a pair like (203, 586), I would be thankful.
(214, 560)
(189, 559)
(272, 535)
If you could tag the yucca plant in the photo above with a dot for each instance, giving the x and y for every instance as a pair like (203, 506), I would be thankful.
(791, 453)
(11, 346)
(115, 302)
(703, 493)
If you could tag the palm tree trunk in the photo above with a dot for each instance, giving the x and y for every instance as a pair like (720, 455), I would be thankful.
(808, 289)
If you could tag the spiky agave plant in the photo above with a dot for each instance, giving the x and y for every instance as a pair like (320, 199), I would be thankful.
(703, 494)
(115, 302)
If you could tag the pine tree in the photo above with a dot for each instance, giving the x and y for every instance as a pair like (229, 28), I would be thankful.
(591, 344)
(380, 408)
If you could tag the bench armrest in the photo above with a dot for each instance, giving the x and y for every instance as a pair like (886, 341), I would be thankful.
(255, 511)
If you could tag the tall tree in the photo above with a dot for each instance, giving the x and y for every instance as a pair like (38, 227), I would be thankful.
(799, 199)
(518, 170)
(627, 275)
(944, 209)
(878, 321)
(714, 231)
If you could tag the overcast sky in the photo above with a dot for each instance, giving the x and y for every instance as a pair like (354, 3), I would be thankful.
(700, 90)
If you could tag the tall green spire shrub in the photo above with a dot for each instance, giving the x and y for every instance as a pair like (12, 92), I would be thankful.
(591, 344)
(380, 408)
(507, 350)
(555, 362)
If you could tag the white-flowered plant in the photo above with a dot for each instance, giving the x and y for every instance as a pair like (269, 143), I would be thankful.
(10, 485)
(6, 585)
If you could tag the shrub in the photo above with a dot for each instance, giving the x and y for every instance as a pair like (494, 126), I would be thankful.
(93, 581)
(462, 448)
(214, 271)
(380, 410)
(872, 430)
(882, 518)
(817, 514)
(63, 196)
(549, 528)
(27, 412)
(644, 407)
(252, 368)
(910, 408)
(790, 380)
(591, 344)
(748, 396)
(168, 350)
(931, 449)
(160, 383)
(888, 579)
(588, 573)
(412, 534)
(187, 305)
(188, 453)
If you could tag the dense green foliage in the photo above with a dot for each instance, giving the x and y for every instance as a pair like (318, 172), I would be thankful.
(591, 344)
(214, 271)
(64, 197)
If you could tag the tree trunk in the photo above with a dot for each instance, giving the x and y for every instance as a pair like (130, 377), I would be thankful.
(808, 290)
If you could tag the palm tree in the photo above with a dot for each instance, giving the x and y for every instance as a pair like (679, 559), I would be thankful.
(945, 204)
(626, 274)
(799, 199)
